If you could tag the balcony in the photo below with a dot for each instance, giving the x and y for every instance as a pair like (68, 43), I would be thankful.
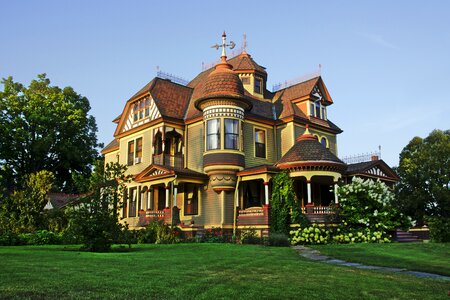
(163, 159)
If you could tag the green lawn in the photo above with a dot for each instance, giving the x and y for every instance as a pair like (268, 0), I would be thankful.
(425, 257)
(200, 271)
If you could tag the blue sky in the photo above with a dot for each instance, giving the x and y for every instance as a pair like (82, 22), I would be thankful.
(385, 63)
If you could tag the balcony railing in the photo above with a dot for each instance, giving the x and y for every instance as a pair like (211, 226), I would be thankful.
(176, 161)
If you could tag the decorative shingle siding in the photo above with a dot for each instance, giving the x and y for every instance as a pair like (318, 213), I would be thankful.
(195, 147)
(286, 138)
(211, 207)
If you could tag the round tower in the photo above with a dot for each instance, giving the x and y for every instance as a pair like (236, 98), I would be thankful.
(223, 103)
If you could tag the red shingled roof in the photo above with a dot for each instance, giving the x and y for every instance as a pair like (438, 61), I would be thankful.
(308, 149)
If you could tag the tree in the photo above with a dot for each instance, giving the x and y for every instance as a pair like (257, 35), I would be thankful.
(424, 188)
(424, 170)
(44, 127)
(22, 211)
(95, 220)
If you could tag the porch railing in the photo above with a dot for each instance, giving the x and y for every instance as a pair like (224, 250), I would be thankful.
(317, 210)
(164, 159)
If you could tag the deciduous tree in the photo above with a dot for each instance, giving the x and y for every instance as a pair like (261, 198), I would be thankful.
(44, 127)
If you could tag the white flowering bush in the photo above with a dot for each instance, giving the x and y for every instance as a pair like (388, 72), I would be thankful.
(313, 234)
(368, 204)
(366, 215)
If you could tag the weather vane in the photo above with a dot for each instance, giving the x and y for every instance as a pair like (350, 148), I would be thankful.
(231, 45)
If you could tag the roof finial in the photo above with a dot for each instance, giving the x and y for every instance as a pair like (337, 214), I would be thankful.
(231, 45)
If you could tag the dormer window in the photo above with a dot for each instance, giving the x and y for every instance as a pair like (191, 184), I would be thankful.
(258, 85)
(318, 110)
(141, 109)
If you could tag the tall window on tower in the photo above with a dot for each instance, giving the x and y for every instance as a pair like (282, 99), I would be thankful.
(231, 134)
(213, 134)
(260, 143)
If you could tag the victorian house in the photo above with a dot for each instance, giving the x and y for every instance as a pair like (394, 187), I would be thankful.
(203, 154)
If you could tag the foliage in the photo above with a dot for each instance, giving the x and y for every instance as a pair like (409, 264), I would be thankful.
(95, 220)
(424, 189)
(439, 229)
(369, 204)
(315, 235)
(39, 237)
(157, 232)
(249, 236)
(214, 235)
(284, 209)
(56, 220)
(278, 240)
(424, 170)
(22, 211)
(44, 127)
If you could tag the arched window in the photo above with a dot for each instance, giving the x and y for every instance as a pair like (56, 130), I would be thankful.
(324, 142)
(172, 144)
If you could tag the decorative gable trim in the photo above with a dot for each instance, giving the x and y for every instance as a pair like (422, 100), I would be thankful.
(152, 172)
(150, 112)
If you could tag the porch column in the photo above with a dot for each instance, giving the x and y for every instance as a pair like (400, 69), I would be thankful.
(336, 200)
(167, 195)
(266, 193)
(308, 188)
(175, 191)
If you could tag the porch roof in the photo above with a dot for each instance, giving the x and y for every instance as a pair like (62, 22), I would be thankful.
(155, 171)
(374, 168)
(258, 170)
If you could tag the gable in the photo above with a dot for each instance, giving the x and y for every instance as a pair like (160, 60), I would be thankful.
(376, 171)
(153, 171)
(139, 112)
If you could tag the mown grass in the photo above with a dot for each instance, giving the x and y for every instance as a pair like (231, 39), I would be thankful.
(424, 257)
(195, 271)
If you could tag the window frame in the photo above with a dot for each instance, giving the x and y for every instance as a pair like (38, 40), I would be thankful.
(258, 79)
(255, 143)
(136, 151)
(141, 109)
(217, 134)
(234, 135)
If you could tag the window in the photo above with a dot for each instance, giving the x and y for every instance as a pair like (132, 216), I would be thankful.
(317, 109)
(125, 204)
(130, 153)
(141, 109)
(134, 152)
(213, 134)
(324, 113)
(258, 86)
(324, 142)
(311, 109)
(260, 143)
(191, 199)
(231, 134)
(138, 157)
(133, 199)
